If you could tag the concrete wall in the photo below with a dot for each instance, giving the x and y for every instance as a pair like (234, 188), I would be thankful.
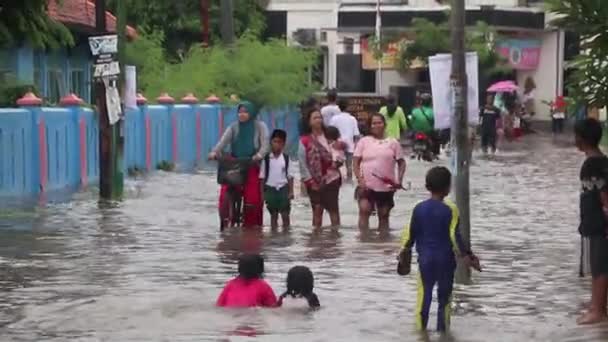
(49, 150)
(549, 74)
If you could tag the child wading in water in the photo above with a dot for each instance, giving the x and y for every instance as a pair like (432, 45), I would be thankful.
(300, 283)
(434, 230)
(277, 180)
(248, 289)
(593, 214)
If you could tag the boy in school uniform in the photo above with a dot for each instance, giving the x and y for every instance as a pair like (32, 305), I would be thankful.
(277, 180)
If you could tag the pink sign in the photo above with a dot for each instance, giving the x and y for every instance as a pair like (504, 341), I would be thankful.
(522, 54)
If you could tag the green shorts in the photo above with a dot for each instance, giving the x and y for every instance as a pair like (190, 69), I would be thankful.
(277, 201)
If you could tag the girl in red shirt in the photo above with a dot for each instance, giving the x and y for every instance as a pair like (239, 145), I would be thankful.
(248, 289)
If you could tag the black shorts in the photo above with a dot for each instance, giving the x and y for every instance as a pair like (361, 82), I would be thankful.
(377, 199)
(327, 197)
(598, 255)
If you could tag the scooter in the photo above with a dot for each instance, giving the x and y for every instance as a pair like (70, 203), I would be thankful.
(422, 147)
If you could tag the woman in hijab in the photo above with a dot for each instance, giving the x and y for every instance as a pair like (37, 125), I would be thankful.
(247, 138)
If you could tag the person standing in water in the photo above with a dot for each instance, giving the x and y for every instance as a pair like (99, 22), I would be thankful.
(247, 138)
(394, 115)
(594, 214)
(434, 230)
(316, 162)
(374, 164)
(349, 134)
(489, 117)
(277, 180)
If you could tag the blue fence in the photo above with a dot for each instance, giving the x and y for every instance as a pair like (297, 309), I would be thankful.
(52, 149)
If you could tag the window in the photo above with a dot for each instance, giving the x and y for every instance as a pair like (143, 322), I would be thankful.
(349, 46)
(38, 76)
(6, 74)
(56, 85)
(77, 83)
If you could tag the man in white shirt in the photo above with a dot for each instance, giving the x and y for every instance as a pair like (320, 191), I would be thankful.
(277, 180)
(331, 108)
(349, 133)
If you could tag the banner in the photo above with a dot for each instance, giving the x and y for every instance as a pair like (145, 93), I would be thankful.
(130, 90)
(440, 67)
(389, 58)
(522, 54)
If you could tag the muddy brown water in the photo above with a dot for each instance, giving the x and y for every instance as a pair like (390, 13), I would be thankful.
(150, 268)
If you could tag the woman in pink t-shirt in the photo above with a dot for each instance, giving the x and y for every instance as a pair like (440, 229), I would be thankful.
(248, 289)
(374, 164)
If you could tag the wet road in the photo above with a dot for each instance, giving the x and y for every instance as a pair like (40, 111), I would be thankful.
(150, 268)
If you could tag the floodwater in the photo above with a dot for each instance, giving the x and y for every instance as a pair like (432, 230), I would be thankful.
(151, 267)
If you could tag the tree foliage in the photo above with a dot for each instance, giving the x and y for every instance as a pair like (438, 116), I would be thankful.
(432, 38)
(268, 73)
(589, 19)
(28, 21)
(180, 21)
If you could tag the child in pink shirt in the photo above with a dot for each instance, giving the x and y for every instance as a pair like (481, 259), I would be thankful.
(248, 289)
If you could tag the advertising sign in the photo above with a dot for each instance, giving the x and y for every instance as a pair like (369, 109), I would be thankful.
(522, 54)
(389, 59)
(104, 50)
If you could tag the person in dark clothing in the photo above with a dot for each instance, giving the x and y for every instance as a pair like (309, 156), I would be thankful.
(488, 117)
(593, 214)
(434, 229)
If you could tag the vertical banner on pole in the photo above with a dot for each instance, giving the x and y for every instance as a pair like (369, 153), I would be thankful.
(130, 90)
(440, 67)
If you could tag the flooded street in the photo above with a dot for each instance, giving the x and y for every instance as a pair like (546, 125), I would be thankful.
(151, 267)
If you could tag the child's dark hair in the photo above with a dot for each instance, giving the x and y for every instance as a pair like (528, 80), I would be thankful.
(280, 134)
(438, 180)
(343, 104)
(332, 133)
(251, 266)
(589, 131)
(332, 95)
(300, 282)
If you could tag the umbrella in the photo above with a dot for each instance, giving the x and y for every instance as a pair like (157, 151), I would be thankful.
(503, 87)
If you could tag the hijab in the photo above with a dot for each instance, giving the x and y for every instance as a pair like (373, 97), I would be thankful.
(243, 146)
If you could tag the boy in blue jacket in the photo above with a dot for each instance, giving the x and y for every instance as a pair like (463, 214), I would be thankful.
(434, 230)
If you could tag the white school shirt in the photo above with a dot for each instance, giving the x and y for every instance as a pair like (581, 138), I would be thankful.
(349, 129)
(276, 171)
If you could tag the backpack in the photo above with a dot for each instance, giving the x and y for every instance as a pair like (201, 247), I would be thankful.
(267, 166)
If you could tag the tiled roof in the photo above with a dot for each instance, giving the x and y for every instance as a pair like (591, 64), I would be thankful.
(82, 13)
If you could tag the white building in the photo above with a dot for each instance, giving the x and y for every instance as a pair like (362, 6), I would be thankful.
(341, 27)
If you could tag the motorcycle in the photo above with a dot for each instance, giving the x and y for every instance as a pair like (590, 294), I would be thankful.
(422, 147)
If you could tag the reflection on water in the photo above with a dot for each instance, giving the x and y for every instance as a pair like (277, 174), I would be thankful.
(150, 268)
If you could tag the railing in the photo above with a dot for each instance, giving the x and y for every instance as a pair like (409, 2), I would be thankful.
(46, 149)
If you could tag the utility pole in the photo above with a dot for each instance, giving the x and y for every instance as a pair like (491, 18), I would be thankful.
(227, 21)
(460, 127)
(110, 173)
(205, 21)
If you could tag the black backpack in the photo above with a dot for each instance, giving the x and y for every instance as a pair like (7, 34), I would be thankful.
(267, 166)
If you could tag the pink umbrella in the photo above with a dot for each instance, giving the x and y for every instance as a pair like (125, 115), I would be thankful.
(503, 87)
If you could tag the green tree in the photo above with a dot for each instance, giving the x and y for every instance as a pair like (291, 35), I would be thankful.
(432, 38)
(589, 19)
(27, 21)
(268, 73)
(180, 21)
